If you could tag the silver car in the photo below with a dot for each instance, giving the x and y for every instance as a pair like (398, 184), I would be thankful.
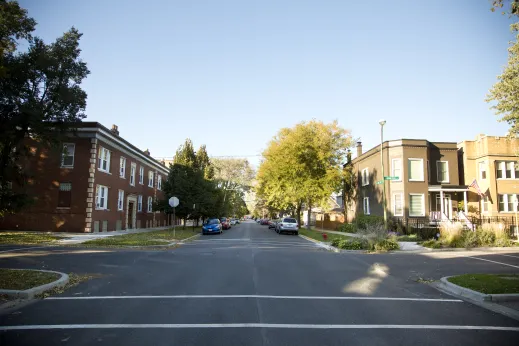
(287, 224)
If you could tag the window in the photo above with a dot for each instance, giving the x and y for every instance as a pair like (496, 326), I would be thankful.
(133, 168)
(365, 176)
(396, 169)
(507, 170)
(122, 167)
(483, 170)
(428, 171)
(507, 203)
(150, 204)
(484, 204)
(159, 182)
(104, 160)
(67, 159)
(64, 195)
(120, 200)
(398, 205)
(101, 197)
(141, 175)
(365, 206)
(442, 168)
(416, 204)
(150, 179)
(139, 203)
(415, 169)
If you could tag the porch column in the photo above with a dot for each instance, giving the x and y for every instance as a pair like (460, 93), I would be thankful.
(465, 202)
(442, 209)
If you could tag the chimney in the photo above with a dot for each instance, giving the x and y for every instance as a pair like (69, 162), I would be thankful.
(115, 130)
(147, 152)
(359, 149)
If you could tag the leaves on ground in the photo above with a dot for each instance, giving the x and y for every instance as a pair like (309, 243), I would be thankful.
(14, 279)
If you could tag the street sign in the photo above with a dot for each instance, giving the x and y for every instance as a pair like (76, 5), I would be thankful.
(391, 178)
(173, 202)
(379, 182)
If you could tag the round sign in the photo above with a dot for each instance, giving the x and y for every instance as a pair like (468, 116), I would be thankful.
(173, 202)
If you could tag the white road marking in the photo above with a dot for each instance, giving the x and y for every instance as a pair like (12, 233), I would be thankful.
(509, 255)
(257, 325)
(233, 296)
(25, 248)
(482, 259)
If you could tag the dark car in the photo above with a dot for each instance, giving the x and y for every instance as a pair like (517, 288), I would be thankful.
(212, 226)
(226, 223)
(264, 222)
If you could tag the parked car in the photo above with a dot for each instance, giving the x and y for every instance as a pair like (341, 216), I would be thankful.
(288, 224)
(233, 222)
(212, 226)
(226, 224)
(264, 222)
(273, 223)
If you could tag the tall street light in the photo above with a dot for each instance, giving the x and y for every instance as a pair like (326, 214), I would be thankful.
(382, 122)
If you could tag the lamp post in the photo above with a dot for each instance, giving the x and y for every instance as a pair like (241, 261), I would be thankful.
(382, 122)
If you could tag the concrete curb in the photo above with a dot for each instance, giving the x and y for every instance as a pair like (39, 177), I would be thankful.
(474, 295)
(31, 292)
(320, 243)
(188, 239)
(510, 248)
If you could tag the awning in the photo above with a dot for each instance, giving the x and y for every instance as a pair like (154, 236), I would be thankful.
(448, 188)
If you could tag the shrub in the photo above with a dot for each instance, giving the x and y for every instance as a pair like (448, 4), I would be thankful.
(364, 221)
(386, 245)
(470, 239)
(373, 234)
(353, 244)
(425, 232)
(348, 228)
(486, 237)
(502, 242)
(433, 244)
(452, 234)
(335, 242)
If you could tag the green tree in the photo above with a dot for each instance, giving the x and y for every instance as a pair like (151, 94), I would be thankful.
(510, 7)
(303, 164)
(40, 97)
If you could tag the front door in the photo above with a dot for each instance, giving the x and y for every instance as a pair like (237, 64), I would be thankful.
(130, 216)
(447, 205)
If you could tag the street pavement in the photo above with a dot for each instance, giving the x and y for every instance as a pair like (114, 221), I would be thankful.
(251, 286)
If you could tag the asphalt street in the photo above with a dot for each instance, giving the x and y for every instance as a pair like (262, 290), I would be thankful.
(251, 286)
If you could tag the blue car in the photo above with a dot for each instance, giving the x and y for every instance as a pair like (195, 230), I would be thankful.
(212, 226)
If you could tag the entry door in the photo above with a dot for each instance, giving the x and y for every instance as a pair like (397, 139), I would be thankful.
(447, 205)
(130, 216)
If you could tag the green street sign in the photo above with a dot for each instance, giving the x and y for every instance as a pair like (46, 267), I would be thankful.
(391, 178)
(379, 182)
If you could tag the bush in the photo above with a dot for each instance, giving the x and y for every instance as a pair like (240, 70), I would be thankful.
(433, 244)
(502, 242)
(373, 234)
(386, 245)
(364, 221)
(348, 228)
(486, 237)
(452, 234)
(470, 239)
(425, 232)
(335, 242)
(352, 244)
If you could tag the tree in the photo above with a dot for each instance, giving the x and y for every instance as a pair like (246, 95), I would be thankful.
(511, 7)
(303, 164)
(40, 97)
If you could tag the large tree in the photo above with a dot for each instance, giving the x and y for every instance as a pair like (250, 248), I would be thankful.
(40, 97)
(303, 164)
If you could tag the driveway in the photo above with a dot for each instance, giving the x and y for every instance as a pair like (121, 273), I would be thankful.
(251, 286)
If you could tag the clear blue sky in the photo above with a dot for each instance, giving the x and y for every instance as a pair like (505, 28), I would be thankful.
(230, 74)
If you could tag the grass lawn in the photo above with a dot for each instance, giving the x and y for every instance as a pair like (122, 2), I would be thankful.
(26, 238)
(162, 237)
(488, 283)
(24, 279)
(410, 237)
(319, 235)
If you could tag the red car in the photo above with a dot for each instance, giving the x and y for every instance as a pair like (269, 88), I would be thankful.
(264, 222)
(226, 223)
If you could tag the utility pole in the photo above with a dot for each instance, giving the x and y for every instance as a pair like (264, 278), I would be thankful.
(382, 123)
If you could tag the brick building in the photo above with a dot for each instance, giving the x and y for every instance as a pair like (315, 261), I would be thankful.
(99, 182)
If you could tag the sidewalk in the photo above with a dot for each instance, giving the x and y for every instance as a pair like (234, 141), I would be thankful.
(78, 238)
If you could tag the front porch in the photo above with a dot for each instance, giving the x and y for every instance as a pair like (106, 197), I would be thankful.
(444, 202)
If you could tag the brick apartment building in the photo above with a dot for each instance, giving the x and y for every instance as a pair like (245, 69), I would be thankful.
(99, 182)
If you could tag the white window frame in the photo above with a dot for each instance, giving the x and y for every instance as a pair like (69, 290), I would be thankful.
(401, 204)
(101, 199)
(484, 204)
(159, 182)
(150, 204)
(505, 164)
(506, 202)
(366, 181)
(409, 169)
(438, 172)
(151, 178)
(66, 146)
(399, 166)
(365, 206)
(122, 167)
(483, 167)
(139, 203)
(120, 200)
(141, 175)
(133, 170)
(104, 155)
(422, 214)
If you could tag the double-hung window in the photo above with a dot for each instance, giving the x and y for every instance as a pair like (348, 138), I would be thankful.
(365, 176)
(67, 156)
(416, 204)
(507, 170)
(507, 202)
(139, 203)
(484, 204)
(415, 169)
(122, 167)
(150, 204)
(65, 195)
(120, 200)
(396, 169)
(141, 175)
(101, 197)
(159, 182)
(398, 204)
(150, 179)
(483, 170)
(365, 206)
(442, 168)
(104, 160)
(133, 168)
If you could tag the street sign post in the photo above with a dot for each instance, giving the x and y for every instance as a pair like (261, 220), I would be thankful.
(391, 178)
(173, 203)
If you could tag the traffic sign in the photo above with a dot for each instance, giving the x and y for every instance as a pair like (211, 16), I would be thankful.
(379, 182)
(391, 178)
(173, 202)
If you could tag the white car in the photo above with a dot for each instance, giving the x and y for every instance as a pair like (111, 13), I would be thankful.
(233, 222)
(287, 224)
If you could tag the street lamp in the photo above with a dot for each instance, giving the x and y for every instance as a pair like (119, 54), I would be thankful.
(382, 122)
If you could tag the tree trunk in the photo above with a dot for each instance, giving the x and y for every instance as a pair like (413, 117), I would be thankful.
(298, 213)
(309, 216)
